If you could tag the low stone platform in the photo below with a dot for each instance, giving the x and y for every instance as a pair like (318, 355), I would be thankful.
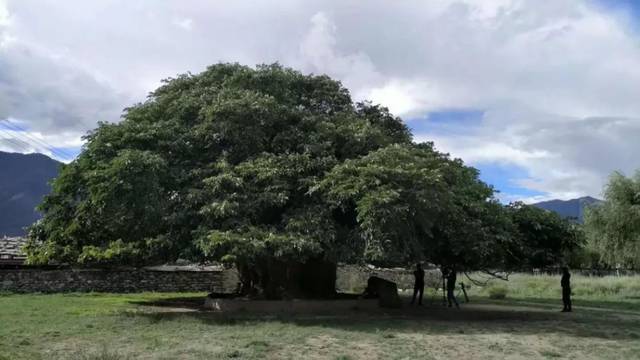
(296, 306)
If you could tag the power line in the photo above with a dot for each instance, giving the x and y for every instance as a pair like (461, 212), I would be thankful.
(30, 139)
(18, 145)
(22, 142)
(11, 133)
(25, 136)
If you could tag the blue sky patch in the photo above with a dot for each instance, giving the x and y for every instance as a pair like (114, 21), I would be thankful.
(446, 122)
(630, 7)
(504, 178)
(66, 153)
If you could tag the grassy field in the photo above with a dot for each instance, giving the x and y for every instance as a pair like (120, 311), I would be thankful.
(524, 325)
(609, 292)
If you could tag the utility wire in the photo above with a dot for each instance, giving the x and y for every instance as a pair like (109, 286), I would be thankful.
(25, 136)
(17, 145)
(32, 140)
(23, 143)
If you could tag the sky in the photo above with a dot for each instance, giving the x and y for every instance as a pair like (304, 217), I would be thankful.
(540, 96)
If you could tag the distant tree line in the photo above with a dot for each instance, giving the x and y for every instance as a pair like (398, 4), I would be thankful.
(613, 228)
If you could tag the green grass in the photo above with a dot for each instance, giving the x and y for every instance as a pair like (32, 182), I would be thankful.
(611, 292)
(525, 325)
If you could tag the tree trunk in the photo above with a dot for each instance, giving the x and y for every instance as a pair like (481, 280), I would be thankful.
(275, 279)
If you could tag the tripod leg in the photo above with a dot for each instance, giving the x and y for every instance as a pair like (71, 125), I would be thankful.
(464, 291)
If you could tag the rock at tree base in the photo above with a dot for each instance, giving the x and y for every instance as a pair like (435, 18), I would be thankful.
(384, 290)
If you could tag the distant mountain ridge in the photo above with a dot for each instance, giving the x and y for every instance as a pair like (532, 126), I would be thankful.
(24, 181)
(573, 209)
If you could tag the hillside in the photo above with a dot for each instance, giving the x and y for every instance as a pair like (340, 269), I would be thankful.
(24, 180)
(573, 209)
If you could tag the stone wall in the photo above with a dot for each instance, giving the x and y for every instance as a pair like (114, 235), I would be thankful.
(116, 281)
(350, 279)
(10, 253)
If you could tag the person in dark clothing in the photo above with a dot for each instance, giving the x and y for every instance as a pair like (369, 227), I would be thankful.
(451, 286)
(418, 285)
(565, 282)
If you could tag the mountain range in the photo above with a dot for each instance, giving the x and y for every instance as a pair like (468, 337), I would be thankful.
(572, 209)
(24, 180)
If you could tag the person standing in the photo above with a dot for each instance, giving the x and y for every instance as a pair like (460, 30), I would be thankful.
(418, 285)
(451, 286)
(565, 282)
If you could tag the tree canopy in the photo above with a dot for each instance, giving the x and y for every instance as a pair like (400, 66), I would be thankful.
(268, 169)
(613, 227)
(545, 237)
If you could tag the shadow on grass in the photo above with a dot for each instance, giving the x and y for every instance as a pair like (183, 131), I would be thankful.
(579, 304)
(482, 317)
(197, 302)
(188, 302)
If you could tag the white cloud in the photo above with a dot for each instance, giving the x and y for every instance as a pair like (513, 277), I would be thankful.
(4, 13)
(559, 79)
(406, 97)
(564, 157)
(184, 23)
(51, 93)
(318, 54)
(5, 21)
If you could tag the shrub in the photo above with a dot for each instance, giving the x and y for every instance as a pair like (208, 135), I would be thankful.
(498, 292)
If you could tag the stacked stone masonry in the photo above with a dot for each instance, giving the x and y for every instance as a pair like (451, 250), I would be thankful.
(115, 281)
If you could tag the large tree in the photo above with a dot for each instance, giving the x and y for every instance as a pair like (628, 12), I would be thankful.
(613, 227)
(276, 172)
